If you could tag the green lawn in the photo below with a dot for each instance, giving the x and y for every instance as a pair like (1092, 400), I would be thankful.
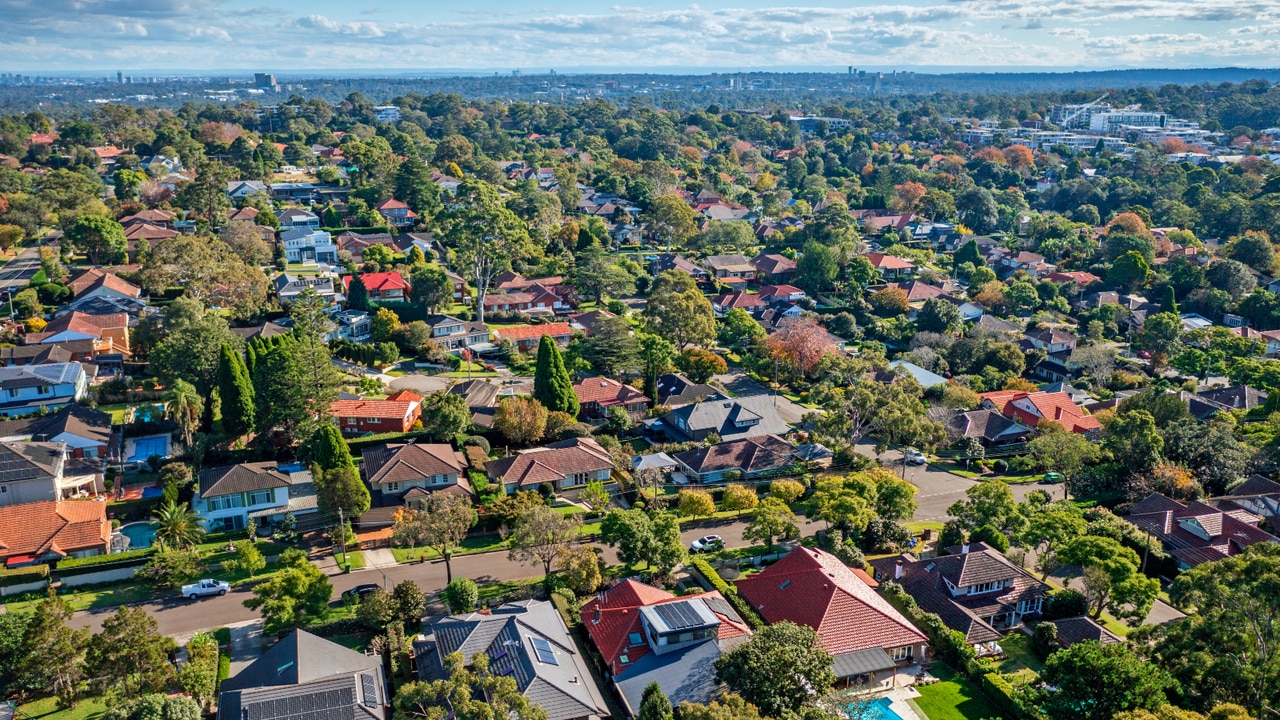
(472, 374)
(473, 544)
(954, 698)
(119, 413)
(47, 709)
(355, 557)
(493, 591)
(1021, 662)
(916, 528)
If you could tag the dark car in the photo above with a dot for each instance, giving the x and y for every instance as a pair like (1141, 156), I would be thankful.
(360, 592)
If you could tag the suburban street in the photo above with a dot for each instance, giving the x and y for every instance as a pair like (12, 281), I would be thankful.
(15, 274)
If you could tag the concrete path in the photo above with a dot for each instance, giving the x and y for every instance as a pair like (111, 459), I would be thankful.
(379, 558)
(246, 644)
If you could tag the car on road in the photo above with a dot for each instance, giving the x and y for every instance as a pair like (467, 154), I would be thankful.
(1053, 477)
(205, 587)
(360, 592)
(911, 456)
(707, 543)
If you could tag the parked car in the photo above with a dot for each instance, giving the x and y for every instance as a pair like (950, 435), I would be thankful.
(360, 592)
(206, 587)
(911, 456)
(1053, 477)
(707, 543)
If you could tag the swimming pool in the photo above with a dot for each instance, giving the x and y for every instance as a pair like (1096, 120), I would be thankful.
(877, 709)
(140, 534)
(145, 447)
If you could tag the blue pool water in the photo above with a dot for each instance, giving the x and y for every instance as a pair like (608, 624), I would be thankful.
(140, 534)
(144, 448)
(877, 709)
(153, 491)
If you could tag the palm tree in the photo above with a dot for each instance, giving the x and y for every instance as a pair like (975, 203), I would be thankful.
(178, 525)
(185, 407)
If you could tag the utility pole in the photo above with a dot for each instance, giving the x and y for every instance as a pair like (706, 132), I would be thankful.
(342, 533)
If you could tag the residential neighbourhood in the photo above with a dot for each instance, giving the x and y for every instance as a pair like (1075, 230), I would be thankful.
(451, 407)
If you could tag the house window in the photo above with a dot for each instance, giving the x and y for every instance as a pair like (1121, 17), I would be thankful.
(985, 587)
(223, 502)
(392, 486)
(624, 659)
(634, 639)
(901, 653)
(260, 497)
(351, 421)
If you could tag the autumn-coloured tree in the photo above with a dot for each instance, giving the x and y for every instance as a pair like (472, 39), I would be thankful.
(802, 343)
(1130, 223)
(1173, 480)
(907, 196)
(890, 301)
(1170, 146)
(991, 155)
(522, 420)
(1019, 156)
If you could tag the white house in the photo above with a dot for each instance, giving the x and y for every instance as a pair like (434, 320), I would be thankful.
(386, 113)
(295, 218)
(29, 388)
(241, 189)
(265, 491)
(305, 244)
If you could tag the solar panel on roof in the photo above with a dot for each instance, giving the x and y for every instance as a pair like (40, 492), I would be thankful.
(543, 650)
(678, 616)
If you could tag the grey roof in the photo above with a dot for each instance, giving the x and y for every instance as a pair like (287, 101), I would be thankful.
(986, 424)
(304, 677)
(1078, 629)
(36, 375)
(104, 305)
(862, 662)
(478, 393)
(560, 683)
(926, 378)
(684, 675)
(660, 461)
(1236, 397)
(676, 390)
(29, 460)
(719, 416)
(1256, 485)
(748, 455)
(245, 477)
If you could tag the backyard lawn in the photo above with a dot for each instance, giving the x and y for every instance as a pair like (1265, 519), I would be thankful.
(953, 698)
(47, 709)
(1021, 664)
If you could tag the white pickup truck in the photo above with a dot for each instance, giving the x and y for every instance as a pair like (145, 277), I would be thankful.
(205, 587)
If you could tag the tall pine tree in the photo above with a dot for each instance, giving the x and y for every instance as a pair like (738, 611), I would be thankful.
(654, 704)
(357, 294)
(1170, 302)
(551, 384)
(236, 391)
(328, 450)
(968, 253)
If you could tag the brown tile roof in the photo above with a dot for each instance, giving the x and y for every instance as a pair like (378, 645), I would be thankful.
(753, 454)
(889, 262)
(46, 526)
(142, 230)
(1197, 533)
(528, 332)
(94, 278)
(401, 462)
(606, 391)
(245, 477)
(550, 463)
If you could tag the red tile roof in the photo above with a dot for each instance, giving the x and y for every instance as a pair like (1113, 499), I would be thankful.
(1055, 406)
(619, 616)
(47, 526)
(889, 262)
(814, 588)
(380, 281)
(606, 391)
(387, 408)
(94, 278)
(739, 299)
(550, 463)
(78, 322)
(527, 332)
(1080, 278)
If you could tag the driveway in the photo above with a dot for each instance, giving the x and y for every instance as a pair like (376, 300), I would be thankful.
(738, 383)
(421, 384)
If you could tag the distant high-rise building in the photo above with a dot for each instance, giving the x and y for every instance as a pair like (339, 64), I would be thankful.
(119, 77)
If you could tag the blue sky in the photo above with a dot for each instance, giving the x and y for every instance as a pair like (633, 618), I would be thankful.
(312, 35)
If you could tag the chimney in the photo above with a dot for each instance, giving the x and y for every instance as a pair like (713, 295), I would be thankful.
(897, 570)
(485, 611)
(595, 616)
(964, 549)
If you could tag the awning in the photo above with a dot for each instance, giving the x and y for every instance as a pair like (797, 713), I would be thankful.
(19, 560)
(862, 662)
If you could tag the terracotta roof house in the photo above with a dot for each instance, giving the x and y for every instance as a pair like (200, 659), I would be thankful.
(596, 395)
(777, 268)
(95, 282)
(163, 218)
(568, 464)
(730, 268)
(892, 267)
(526, 641)
(781, 293)
(304, 677)
(47, 530)
(98, 352)
(730, 419)
(1081, 279)
(750, 302)
(1080, 628)
(396, 413)
(1197, 533)
(674, 390)
(976, 590)
(82, 326)
(416, 468)
(918, 291)
(1030, 408)
(746, 458)
(527, 337)
(861, 630)
(244, 214)
(649, 635)
(511, 281)
(381, 285)
(396, 213)
(482, 399)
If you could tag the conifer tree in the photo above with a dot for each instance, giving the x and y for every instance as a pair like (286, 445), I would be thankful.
(327, 449)
(236, 391)
(654, 704)
(357, 294)
(968, 253)
(551, 384)
(1170, 302)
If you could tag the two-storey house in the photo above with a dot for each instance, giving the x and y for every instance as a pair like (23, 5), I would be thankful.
(289, 287)
(527, 337)
(455, 334)
(30, 388)
(568, 465)
(309, 245)
(892, 268)
(396, 214)
(294, 219)
(732, 269)
(382, 286)
(413, 471)
(596, 395)
(43, 471)
(396, 413)
(229, 495)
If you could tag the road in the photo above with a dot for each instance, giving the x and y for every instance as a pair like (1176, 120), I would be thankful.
(178, 617)
(15, 274)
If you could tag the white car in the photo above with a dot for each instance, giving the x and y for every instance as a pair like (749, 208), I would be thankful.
(205, 587)
(707, 543)
(911, 456)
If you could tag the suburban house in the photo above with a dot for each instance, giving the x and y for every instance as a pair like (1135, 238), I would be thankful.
(396, 213)
(587, 321)
(102, 353)
(892, 267)
(1031, 263)
(48, 530)
(926, 378)
(395, 413)
(649, 635)
(455, 334)
(79, 326)
(85, 432)
(1197, 533)
(1030, 408)
(30, 388)
(728, 418)
(356, 244)
(353, 325)
(1052, 340)
(241, 189)
(775, 268)
(295, 218)
(95, 282)
(781, 293)
(289, 287)
(1235, 397)
(304, 676)
(730, 268)
(744, 458)
(535, 299)
(416, 469)
(305, 244)
(512, 281)
(227, 496)
(989, 426)
(741, 299)
(381, 285)
(596, 395)
(671, 261)
(861, 630)
(482, 400)
(526, 641)
(976, 590)
(1258, 495)
(527, 337)
(1080, 628)
(674, 390)
(567, 465)
(43, 471)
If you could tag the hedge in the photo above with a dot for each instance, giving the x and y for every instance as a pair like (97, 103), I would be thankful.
(93, 561)
(949, 645)
(363, 230)
(22, 576)
(730, 592)
(1002, 694)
